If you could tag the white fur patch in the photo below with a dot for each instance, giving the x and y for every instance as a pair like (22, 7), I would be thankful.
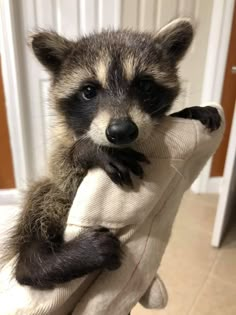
(172, 25)
(71, 82)
(129, 68)
(144, 123)
(160, 76)
(97, 130)
(101, 71)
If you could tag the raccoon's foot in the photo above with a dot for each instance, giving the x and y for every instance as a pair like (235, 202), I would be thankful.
(43, 264)
(207, 115)
(120, 163)
(105, 248)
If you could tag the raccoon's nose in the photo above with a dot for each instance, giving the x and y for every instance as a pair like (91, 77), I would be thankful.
(122, 131)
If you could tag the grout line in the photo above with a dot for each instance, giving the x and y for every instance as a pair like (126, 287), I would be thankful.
(225, 282)
(203, 284)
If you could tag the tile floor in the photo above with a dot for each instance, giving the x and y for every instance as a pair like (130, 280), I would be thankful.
(200, 280)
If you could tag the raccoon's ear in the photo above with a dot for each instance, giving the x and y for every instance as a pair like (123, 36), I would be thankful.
(175, 38)
(50, 49)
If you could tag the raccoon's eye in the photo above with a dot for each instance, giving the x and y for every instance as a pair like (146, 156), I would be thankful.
(147, 87)
(89, 92)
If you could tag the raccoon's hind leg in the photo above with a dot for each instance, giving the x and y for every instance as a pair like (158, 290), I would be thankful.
(207, 115)
(44, 259)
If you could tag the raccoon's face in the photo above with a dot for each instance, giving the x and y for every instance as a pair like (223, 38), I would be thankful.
(114, 86)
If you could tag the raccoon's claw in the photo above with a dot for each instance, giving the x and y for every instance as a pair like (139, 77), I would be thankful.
(118, 164)
(106, 248)
(118, 174)
(210, 118)
(130, 154)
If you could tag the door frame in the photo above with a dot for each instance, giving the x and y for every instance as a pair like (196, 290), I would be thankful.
(13, 94)
(225, 203)
(219, 39)
(215, 67)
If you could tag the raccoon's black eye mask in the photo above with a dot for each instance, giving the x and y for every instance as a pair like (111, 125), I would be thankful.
(146, 86)
(63, 57)
(153, 97)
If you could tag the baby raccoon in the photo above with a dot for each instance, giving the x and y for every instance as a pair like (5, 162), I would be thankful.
(109, 91)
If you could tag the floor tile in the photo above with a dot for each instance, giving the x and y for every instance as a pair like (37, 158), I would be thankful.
(225, 268)
(216, 298)
(197, 211)
(189, 256)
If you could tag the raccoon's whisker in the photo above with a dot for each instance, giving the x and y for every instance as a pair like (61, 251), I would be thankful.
(158, 110)
(82, 138)
(81, 129)
(98, 148)
(96, 125)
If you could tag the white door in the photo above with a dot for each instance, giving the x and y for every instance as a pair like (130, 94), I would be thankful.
(76, 17)
(227, 200)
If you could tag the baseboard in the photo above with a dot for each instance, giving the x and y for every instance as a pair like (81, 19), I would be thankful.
(9, 196)
(214, 185)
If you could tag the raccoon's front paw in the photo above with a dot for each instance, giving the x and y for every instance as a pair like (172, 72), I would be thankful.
(119, 163)
(106, 249)
(210, 118)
